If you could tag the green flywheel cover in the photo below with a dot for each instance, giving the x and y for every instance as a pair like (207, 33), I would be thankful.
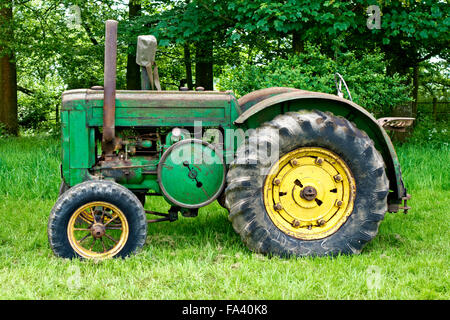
(191, 173)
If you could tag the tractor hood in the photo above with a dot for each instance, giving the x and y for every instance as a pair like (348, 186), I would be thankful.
(156, 108)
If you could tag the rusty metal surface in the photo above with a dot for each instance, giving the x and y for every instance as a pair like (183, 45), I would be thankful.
(109, 92)
(160, 97)
(395, 123)
(171, 216)
(403, 205)
(296, 95)
(247, 101)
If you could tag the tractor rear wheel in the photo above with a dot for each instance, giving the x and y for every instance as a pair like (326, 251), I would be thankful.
(325, 194)
(97, 220)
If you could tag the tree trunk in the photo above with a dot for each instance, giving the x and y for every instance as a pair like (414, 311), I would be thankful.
(434, 108)
(8, 73)
(188, 66)
(297, 43)
(133, 69)
(415, 93)
(204, 65)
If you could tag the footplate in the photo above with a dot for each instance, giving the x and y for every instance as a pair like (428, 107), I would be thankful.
(395, 123)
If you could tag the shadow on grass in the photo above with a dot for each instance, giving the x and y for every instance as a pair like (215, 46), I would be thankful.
(211, 228)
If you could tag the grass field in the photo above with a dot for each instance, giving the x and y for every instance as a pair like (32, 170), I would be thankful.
(203, 258)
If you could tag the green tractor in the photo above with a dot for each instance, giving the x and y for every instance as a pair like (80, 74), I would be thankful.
(301, 173)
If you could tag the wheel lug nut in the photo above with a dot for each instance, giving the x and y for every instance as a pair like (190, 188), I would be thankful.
(296, 223)
(277, 182)
(278, 207)
(319, 161)
(338, 178)
(321, 222)
(294, 162)
(338, 203)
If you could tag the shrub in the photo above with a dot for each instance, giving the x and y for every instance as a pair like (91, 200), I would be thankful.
(430, 132)
(311, 70)
(3, 132)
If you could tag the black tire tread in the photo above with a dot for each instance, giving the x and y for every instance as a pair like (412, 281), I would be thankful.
(244, 196)
(57, 235)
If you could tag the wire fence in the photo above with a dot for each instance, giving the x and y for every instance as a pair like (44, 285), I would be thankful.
(440, 110)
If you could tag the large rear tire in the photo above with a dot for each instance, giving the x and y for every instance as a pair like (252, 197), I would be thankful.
(330, 202)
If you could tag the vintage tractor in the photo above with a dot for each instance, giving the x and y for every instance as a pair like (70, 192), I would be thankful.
(301, 173)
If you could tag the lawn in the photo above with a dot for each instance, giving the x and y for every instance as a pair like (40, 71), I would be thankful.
(203, 258)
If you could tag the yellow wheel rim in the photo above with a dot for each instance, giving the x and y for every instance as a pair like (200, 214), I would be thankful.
(98, 230)
(309, 193)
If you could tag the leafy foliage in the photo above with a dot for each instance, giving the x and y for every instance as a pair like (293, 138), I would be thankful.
(59, 46)
(365, 76)
(429, 132)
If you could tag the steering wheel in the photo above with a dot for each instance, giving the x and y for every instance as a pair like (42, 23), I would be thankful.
(339, 80)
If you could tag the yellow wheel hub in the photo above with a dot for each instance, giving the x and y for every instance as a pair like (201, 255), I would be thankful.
(98, 230)
(309, 193)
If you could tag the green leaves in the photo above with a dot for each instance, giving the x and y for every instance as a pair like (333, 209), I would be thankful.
(254, 37)
(312, 70)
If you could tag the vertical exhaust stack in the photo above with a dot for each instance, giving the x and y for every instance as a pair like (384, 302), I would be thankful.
(109, 102)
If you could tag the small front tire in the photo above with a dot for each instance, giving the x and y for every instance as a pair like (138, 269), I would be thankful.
(97, 220)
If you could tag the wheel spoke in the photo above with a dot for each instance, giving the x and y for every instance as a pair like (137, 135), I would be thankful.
(93, 243)
(92, 213)
(112, 219)
(103, 244)
(88, 237)
(84, 238)
(103, 215)
(114, 227)
(111, 238)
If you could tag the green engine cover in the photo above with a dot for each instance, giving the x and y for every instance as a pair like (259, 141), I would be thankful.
(191, 173)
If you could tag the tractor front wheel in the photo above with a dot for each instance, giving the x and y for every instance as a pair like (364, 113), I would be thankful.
(97, 220)
(324, 194)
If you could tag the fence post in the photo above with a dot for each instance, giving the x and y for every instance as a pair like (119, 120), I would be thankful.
(435, 108)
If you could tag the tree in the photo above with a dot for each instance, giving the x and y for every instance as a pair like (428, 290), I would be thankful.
(133, 69)
(312, 70)
(8, 73)
(411, 33)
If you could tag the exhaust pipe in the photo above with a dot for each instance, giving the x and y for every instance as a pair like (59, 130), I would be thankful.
(109, 102)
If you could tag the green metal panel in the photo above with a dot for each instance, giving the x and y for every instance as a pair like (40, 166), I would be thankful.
(192, 173)
(79, 147)
(92, 148)
(65, 146)
(79, 140)
(156, 109)
(140, 117)
(82, 113)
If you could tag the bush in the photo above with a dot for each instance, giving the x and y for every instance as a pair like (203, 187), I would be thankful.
(430, 132)
(3, 132)
(37, 112)
(311, 70)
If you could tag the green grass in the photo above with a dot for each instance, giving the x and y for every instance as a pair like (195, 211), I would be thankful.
(203, 258)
